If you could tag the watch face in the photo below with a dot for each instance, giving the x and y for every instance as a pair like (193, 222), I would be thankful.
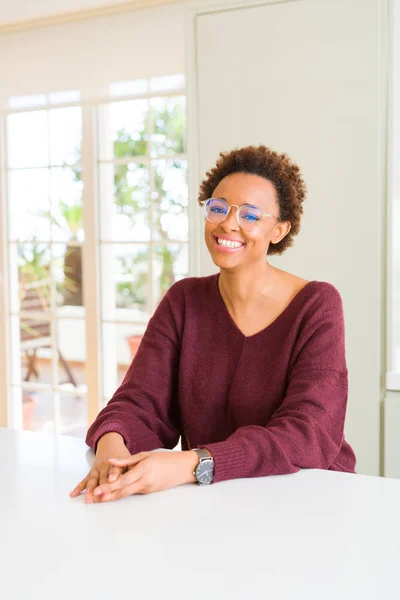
(205, 472)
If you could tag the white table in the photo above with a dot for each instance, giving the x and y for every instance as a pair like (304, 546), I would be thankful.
(313, 535)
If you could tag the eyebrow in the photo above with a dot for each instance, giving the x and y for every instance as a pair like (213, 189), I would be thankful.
(245, 204)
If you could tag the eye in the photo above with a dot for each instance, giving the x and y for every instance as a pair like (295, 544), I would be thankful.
(218, 209)
(250, 217)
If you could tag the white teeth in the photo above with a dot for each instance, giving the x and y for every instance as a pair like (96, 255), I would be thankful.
(229, 243)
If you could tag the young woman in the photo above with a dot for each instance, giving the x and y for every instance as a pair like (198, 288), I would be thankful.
(247, 366)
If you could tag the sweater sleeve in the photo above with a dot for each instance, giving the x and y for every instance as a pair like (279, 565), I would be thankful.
(306, 431)
(144, 409)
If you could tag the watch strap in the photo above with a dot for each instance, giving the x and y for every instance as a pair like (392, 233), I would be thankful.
(202, 453)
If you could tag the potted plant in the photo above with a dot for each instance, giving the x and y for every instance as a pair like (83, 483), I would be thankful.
(72, 216)
(70, 219)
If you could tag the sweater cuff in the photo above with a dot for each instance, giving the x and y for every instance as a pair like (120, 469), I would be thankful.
(134, 446)
(230, 462)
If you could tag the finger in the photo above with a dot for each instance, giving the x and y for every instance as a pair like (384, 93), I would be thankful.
(135, 488)
(103, 477)
(91, 485)
(125, 480)
(80, 487)
(129, 460)
(103, 473)
(93, 481)
(114, 473)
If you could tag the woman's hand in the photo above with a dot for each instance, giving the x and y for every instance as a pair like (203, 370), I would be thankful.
(111, 444)
(149, 472)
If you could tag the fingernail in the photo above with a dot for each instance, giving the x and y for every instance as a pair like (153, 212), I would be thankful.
(111, 477)
(97, 492)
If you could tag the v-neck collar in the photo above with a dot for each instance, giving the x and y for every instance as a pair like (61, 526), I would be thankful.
(274, 322)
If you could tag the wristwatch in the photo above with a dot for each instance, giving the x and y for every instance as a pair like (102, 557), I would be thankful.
(204, 471)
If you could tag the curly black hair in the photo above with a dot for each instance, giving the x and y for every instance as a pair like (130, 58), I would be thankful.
(276, 168)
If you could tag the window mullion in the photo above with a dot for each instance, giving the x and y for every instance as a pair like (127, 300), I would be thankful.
(91, 263)
(53, 304)
(151, 190)
(5, 345)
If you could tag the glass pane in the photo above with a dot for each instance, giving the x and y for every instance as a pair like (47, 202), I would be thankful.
(37, 411)
(125, 202)
(67, 273)
(27, 140)
(29, 204)
(66, 204)
(123, 129)
(124, 279)
(33, 277)
(35, 341)
(168, 125)
(71, 349)
(120, 344)
(65, 132)
(171, 264)
(73, 415)
(170, 216)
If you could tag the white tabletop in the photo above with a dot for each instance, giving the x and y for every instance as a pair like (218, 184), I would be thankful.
(313, 535)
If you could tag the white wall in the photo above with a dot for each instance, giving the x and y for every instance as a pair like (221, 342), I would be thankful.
(392, 400)
(24, 10)
(21, 10)
(89, 54)
(305, 77)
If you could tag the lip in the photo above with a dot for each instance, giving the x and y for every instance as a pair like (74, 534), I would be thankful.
(226, 248)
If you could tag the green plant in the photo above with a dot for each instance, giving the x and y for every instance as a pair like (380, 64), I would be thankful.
(169, 127)
(34, 272)
(71, 217)
(34, 267)
(132, 291)
(168, 135)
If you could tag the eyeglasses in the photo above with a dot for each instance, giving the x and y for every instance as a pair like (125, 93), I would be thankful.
(248, 216)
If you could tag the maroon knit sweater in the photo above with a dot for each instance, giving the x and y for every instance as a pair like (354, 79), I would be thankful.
(266, 404)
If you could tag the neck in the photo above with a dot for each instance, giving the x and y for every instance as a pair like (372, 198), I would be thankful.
(244, 288)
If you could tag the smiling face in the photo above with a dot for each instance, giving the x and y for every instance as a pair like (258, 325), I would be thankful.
(232, 247)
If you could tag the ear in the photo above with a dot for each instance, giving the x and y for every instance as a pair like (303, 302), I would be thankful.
(282, 228)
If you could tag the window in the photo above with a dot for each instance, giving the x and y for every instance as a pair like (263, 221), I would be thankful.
(139, 170)
(144, 212)
(45, 233)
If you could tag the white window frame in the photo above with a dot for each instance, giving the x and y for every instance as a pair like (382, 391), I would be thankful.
(5, 388)
(10, 414)
(11, 384)
(110, 378)
(393, 189)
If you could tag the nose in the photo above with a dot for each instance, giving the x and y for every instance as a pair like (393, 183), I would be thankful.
(230, 223)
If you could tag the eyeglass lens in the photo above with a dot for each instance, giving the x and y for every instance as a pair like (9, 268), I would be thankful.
(216, 211)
